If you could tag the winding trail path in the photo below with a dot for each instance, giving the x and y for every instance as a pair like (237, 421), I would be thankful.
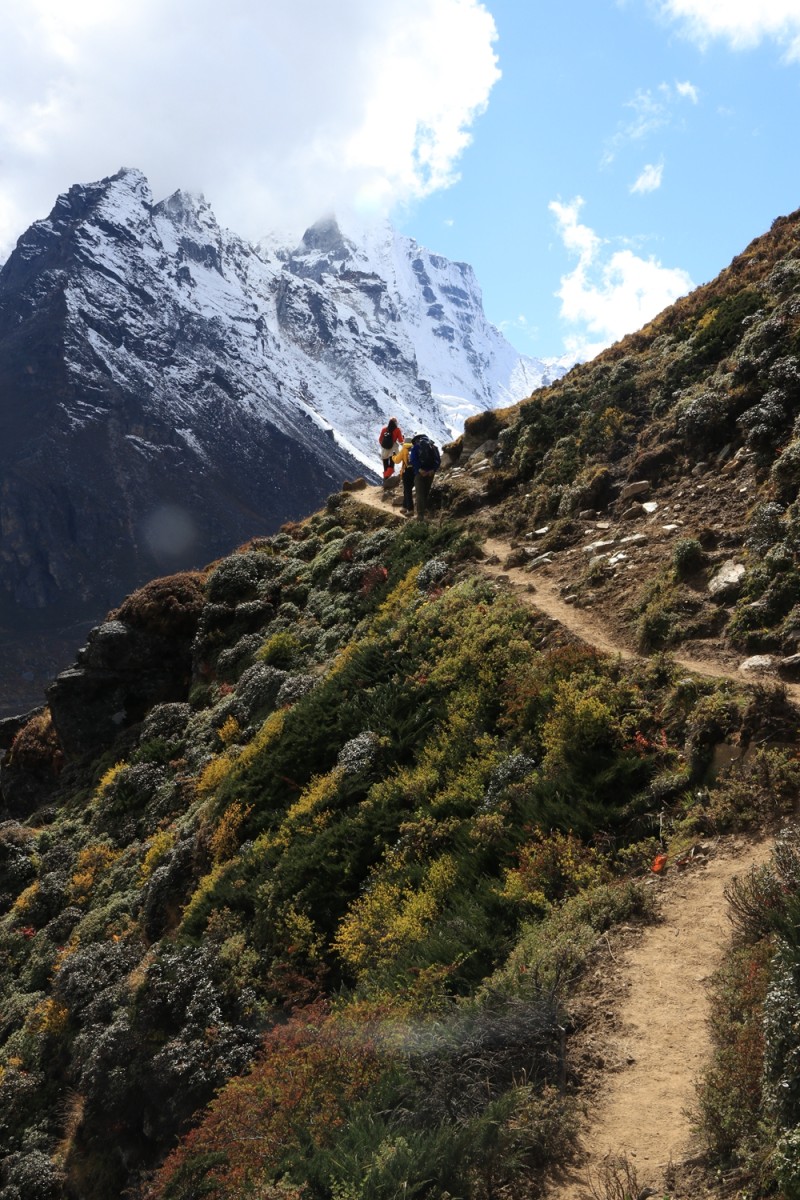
(658, 1040)
(542, 593)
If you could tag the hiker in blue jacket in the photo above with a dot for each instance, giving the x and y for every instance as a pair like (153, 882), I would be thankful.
(424, 459)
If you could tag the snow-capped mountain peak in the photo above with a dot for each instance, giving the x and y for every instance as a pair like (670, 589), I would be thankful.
(161, 374)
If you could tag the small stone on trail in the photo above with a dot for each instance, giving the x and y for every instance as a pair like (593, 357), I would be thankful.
(758, 664)
(634, 539)
(789, 668)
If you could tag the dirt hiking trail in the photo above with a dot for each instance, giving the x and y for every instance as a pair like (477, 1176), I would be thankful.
(658, 1041)
(541, 592)
(650, 1037)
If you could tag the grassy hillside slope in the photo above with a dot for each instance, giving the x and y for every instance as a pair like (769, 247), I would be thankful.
(305, 863)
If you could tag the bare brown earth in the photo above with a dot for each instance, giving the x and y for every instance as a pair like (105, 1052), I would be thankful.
(646, 1039)
(650, 1034)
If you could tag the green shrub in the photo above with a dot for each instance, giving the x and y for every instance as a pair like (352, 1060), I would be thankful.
(785, 473)
(282, 650)
(785, 1163)
(714, 718)
(688, 557)
(554, 951)
(754, 791)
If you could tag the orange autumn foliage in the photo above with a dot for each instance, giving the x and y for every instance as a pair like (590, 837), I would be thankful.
(310, 1072)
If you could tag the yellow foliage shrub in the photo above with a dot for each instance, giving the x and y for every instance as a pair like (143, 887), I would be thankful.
(551, 867)
(396, 604)
(214, 772)
(391, 917)
(202, 892)
(159, 845)
(308, 813)
(26, 899)
(269, 733)
(65, 952)
(229, 730)
(109, 777)
(578, 723)
(299, 933)
(48, 1018)
(226, 837)
(93, 862)
(707, 318)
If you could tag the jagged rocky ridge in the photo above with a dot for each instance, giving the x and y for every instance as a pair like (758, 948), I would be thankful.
(169, 390)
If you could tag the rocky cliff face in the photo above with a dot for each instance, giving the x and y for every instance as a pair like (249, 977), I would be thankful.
(167, 390)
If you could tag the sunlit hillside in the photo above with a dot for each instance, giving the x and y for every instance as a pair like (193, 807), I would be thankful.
(307, 861)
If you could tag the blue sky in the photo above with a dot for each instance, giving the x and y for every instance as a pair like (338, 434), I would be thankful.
(595, 96)
(592, 159)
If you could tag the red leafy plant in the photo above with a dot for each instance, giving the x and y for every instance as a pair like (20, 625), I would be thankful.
(311, 1071)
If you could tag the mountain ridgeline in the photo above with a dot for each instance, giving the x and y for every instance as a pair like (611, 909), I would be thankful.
(308, 858)
(167, 389)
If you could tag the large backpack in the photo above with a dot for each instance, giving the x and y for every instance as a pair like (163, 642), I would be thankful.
(387, 439)
(428, 457)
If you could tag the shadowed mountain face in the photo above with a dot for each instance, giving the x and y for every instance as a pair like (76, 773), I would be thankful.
(167, 391)
(126, 446)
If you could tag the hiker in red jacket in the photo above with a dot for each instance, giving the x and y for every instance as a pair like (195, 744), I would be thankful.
(390, 440)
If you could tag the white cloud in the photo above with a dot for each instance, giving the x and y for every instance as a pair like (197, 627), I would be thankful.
(688, 91)
(609, 292)
(653, 109)
(649, 179)
(742, 23)
(278, 112)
